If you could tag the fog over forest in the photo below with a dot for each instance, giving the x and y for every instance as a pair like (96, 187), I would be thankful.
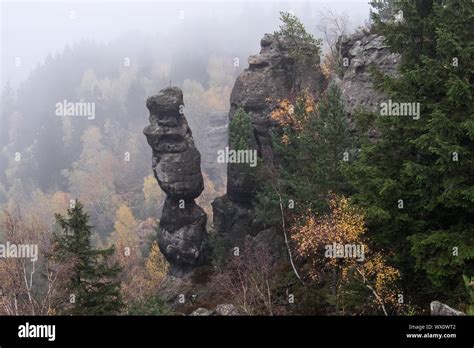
(47, 28)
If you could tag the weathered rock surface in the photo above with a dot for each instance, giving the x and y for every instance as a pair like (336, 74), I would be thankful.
(201, 312)
(177, 168)
(234, 218)
(182, 232)
(226, 309)
(438, 308)
(272, 74)
(364, 50)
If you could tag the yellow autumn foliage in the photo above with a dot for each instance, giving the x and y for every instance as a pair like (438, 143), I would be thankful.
(125, 227)
(284, 112)
(345, 225)
(156, 265)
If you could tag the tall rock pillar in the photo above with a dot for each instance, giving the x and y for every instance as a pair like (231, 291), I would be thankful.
(177, 167)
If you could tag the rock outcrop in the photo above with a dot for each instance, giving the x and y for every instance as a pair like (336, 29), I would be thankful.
(363, 50)
(177, 167)
(201, 312)
(438, 308)
(226, 309)
(272, 74)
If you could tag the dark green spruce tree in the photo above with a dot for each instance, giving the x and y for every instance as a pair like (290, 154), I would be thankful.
(309, 162)
(93, 281)
(416, 182)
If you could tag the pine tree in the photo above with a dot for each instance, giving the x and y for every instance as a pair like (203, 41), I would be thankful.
(310, 153)
(241, 131)
(304, 44)
(415, 182)
(329, 140)
(385, 10)
(92, 282)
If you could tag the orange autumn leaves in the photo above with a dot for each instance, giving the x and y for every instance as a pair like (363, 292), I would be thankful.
(293, 115)
(344, 225)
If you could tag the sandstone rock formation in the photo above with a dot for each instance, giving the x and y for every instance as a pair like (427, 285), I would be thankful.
(272, 74)
(438, 308)
(177, 167)
(226, 309)
(201, 312)
(364, 50)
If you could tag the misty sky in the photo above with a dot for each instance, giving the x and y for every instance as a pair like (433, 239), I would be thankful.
(32, 30)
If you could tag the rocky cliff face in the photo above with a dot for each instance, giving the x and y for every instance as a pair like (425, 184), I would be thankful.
(177, 167)
(364, 50)
(272, 74)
